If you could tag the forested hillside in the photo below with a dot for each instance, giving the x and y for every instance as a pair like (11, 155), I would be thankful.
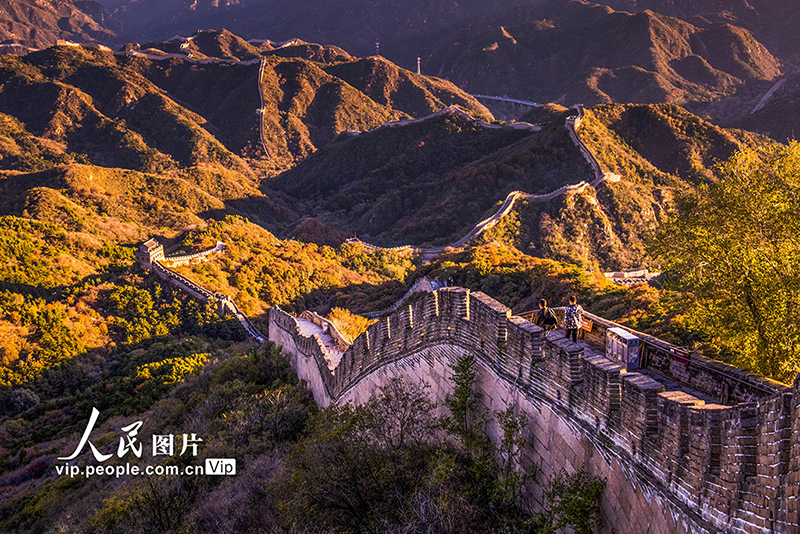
(282, 152)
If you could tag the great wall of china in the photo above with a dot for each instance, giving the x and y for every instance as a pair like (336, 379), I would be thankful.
(423, 284)
(572, 123)
(687, 444)
(151, 256)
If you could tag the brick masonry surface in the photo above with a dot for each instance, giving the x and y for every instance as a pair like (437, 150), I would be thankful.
(674, 460)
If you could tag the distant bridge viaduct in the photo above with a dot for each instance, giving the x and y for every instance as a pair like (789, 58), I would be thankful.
(513, 101)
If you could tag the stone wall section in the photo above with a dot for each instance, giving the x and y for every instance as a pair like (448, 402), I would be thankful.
(184, 259)
(184, 283)
(422, 284)
(225, 303)
(306, 354)
(572, 123)
(675, 461)
(725, 383)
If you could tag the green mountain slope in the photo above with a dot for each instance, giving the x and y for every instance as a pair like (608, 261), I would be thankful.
(658, 150)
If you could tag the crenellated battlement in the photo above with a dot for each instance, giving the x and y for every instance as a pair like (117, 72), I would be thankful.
(687, 444)
(449, 315)
(673, 430)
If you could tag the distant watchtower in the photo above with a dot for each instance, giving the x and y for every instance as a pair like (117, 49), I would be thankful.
(148, 252)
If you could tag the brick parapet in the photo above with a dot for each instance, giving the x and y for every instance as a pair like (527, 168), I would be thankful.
(720, 381)
(733, 467)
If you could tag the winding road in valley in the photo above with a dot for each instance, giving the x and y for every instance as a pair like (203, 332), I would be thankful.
(768, 95)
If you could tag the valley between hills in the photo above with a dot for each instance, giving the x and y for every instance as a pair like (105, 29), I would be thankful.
(213, 137)
(336, 182)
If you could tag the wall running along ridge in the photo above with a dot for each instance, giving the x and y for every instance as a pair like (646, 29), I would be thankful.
(423, 284)
(226, 305)
(572, 124)
(674, 462)
(262, 109)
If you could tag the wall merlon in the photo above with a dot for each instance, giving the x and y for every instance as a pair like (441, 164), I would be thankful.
(558, 339)
(638, 409)
(454, 302)
(432, 305)
(524, 325)
(717, 467)
(386, 323)
(711, 467)
(601, 389)
(490, 303)
(375, 334)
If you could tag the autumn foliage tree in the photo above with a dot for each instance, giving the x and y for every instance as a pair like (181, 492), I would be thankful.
(734, 249)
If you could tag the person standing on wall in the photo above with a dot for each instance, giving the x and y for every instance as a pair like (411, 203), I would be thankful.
(546, 317)
(573, 318)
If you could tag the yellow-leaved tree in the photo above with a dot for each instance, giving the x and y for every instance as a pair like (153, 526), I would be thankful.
(734, 248)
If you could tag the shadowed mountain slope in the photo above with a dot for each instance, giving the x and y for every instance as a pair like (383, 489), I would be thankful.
(40, 24)
(780, 116)
(428, 182)
(399, 183)
(578, 52)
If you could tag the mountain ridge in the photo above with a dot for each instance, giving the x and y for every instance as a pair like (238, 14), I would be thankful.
(709, 50)
(41, 24)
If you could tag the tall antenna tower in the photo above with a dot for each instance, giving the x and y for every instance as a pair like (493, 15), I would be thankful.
(377, 47)
(419, 69)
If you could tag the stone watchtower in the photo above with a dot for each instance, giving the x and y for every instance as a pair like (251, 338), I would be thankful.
(148, 252)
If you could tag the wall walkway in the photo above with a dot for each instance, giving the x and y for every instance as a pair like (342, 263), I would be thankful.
(572, 124)
(686, 444)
